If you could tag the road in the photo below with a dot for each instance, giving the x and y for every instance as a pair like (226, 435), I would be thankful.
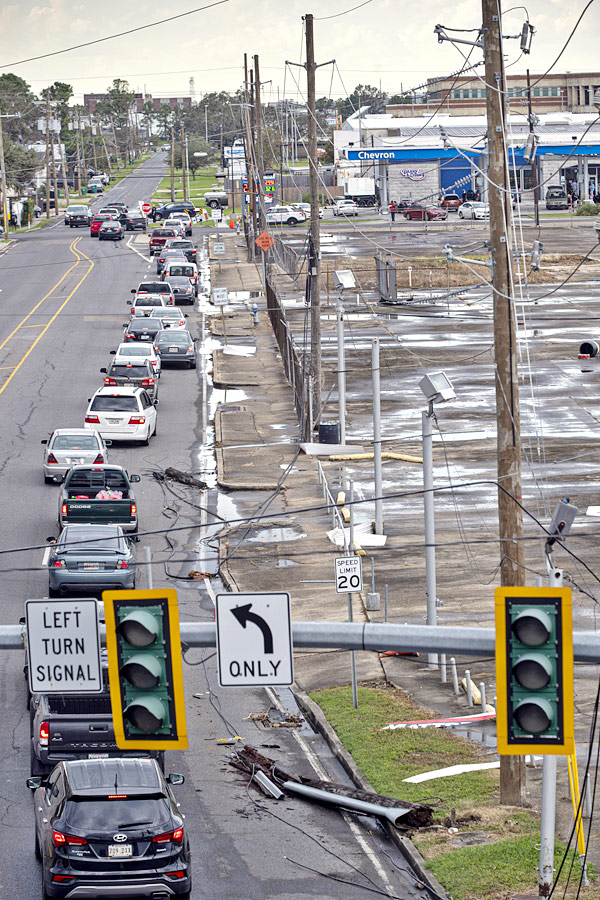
(62, 307)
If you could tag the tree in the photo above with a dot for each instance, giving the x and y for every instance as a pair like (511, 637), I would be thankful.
(364, 95)
(60, 93)
(20, 164)
(16, 99)
(195, 145)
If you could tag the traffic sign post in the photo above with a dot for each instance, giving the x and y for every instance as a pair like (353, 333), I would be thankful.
(146, 208)
(348, 574)
(254, 639)
(218, 248)
(220, 296)
(63, 646)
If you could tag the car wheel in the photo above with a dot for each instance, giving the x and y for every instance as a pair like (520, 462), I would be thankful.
(292, 221)
(48, 479)
(36, 847)
(460, 215)
(146, 440)
(52, 592)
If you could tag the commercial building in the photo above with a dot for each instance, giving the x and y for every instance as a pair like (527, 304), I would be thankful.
(465, 96)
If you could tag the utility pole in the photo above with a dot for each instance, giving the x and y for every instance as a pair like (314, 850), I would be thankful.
(187, 168)
(183, 162)
(3, 177)
(249, 153)
(63, 166)
(172, 163)
(314, 260)
(54, 178)
(99, 126)
(534, 180)
(76, 126)
(92, 126)
(512, 768)
(48, 155)
(260, 166)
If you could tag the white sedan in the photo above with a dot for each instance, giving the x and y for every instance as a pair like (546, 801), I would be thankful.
(122, 414)
(68, 447)
(473, 209)
(345, 208)
(135, 352)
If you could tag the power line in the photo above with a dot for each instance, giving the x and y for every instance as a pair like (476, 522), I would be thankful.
(345, 13)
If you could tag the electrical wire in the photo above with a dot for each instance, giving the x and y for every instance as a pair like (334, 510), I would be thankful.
(345, 13)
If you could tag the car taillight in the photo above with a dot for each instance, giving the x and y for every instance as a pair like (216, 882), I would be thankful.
(59, 564)
(190, 348)
(175, 837)
(99, 458)
(108, 380)
(133, 509)
(52, 459)
(61, 839)
(178, 874)
(92, 419)
(147, 381)
(63, 509)
(44, 734)
(133, 310)
(62, 878)
(137, 420)
(122, 564)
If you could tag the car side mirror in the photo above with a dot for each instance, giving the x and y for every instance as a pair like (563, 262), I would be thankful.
(113, 352)
(134, 479)
(45, 441)
(129, 303)
(51, 539)
(37, 781)
(172, 778)
(155, 401)
(186, 316)
(133, 290)
(108, 443)
(102, 372)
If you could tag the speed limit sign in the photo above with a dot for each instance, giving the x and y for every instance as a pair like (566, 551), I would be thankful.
(348, 574)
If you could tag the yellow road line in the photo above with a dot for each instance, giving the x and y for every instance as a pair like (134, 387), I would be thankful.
(74, 249)
(53, 288)
(41, 325)
(6, 367)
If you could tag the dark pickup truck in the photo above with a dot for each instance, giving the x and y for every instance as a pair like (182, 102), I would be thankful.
(158, 238)
(74, 726)
(98, 495)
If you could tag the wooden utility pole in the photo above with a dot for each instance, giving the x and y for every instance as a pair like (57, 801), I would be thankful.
(260, 165)
(54, 178)
(93, 136)
(512, 768)
(48, 155)
(183, 162)
(253, 166)
(3, 182)
(249, 154)
(315, 231)
(63, 166)
(534, 179)
(78, 154)
(99, 127)
(172, 163)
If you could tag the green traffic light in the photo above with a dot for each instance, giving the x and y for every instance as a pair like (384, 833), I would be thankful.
(142, 671)
(146, 713)
(533, 671)
(533, 627)
(534, 715)
(139, 628)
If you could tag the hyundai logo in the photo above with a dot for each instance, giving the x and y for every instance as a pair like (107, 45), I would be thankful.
(119, 838)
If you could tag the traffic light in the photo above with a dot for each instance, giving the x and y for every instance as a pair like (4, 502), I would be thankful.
(534, 671)
(144, 669)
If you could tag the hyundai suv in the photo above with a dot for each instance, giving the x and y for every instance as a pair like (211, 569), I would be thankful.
(109, 827)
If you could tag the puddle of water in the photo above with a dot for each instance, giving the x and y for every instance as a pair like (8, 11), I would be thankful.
(281, 563)
(275, 534)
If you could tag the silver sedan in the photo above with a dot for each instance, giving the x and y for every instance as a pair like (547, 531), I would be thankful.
(68, 447)
(90, 559)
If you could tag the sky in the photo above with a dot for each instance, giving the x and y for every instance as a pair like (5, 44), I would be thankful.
(387, 43)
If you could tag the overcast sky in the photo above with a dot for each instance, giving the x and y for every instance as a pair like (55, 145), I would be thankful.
(387, 42)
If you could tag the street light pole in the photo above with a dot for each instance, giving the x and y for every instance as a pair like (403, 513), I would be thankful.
(430, 576)
(206, 123)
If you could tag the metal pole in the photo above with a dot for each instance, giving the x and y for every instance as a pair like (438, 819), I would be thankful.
(546, 877)
(341, 369)
(47, 157)
(206, 124)
(454, 673)
(187, 167)
(148, 567)
(377, 466)
(430, 579)
(385, 618)
(350, 619)
(315, 228)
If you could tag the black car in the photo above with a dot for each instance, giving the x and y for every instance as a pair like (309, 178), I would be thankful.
(142, 328)
(135, 221)
(103, 826)
(177, 206)
(135, 374)
(187, 248)
(110, 231)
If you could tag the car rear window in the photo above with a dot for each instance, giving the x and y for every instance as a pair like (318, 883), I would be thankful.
(114, 404)
(557, 192)
(149, 301)
(174, 337)
(129, 371)
(163, 232)
(100, 218)
(186, 271)
(75, 442)
(96, 480)
(130, 350)
(107, 816)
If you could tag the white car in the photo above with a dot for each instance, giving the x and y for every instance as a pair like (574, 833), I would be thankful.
(122, 414)
(306, 209)
(171, 317)
(473, 209)
(136, 351)
(68, 447)
(185, 220)
(177, 224)
(145, 304)
(284, 215)
(151, 289)
(345, 208)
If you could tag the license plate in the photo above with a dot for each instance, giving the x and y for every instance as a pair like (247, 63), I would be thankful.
(97, 756)
(172, 349)
(113, 421)
(75, 462)
(120, 850)
(91, 566)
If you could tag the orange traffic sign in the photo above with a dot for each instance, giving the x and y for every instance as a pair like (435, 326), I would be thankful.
(264, 241)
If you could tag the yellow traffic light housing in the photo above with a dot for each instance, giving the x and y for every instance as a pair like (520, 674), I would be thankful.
(145, 669)
(534, 671)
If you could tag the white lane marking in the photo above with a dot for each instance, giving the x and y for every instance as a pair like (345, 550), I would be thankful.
(145, 258)
(352, 824)
(209, 591)
(46, 556)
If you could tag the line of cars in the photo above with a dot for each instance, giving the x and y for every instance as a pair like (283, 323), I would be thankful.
(107, 822)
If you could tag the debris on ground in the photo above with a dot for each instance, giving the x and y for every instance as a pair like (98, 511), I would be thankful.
(287, 720)
(182, 477)
(195, 575)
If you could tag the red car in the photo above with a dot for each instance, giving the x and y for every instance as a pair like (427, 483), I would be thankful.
(417, 211)
(97, 222)
(159, 237)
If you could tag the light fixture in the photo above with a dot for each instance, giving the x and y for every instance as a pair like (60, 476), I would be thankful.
(437, 387)
(344, 279)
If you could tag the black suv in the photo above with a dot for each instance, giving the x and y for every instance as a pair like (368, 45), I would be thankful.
(140, 374)
(177, 206)
(105, 826)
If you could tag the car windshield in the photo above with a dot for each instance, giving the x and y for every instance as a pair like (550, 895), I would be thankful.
(95, 540)
(128, 370)
(173, 337)
(75, 442)
(114, 403)
(107, 816)
(77, 209)
(144, 350)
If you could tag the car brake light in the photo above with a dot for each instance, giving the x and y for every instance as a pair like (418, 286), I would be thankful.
(51, 458)
(179, 874)
(62, 878)
(99, 459)
(133, 509)
(60, 839)
(147, 381)
(175, 837)
(117, 797)
(190, 348)
(108, 380)
(44, 734)
(137, 420)
(92, 419)
(63, 509)
(59, 564)
(122, 564)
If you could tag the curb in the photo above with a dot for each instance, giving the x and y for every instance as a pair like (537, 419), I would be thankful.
(315, 717)
(7, 247)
